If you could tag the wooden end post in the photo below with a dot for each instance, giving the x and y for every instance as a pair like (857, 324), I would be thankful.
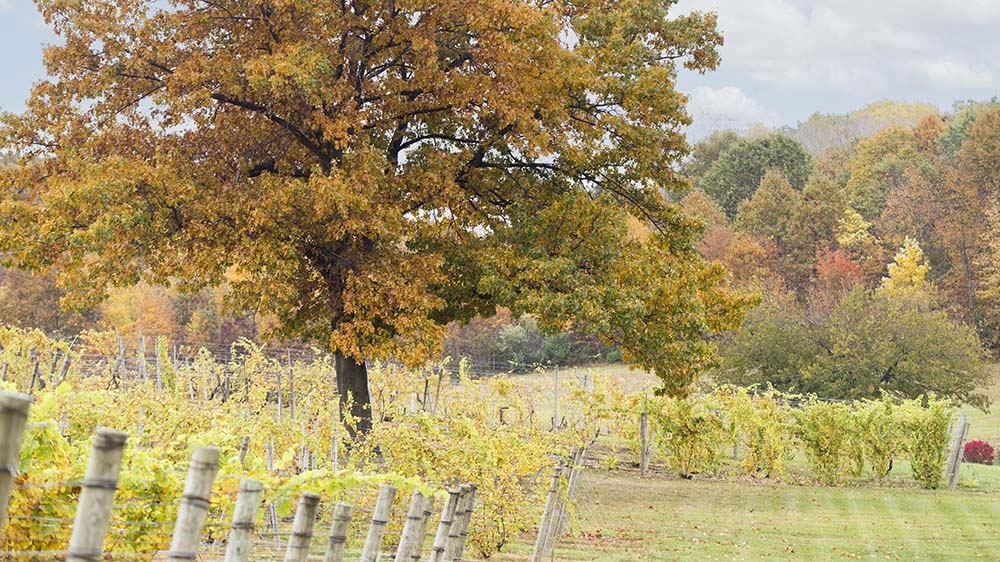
(380, 517)
(302, 528)
(93, 509)
(194, 504)
(244, 519)
(13, 417)
(338, 532)
(411, 527)
(444, 526)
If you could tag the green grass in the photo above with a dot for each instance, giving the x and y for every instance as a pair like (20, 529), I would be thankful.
(622, 517)
(986, 425)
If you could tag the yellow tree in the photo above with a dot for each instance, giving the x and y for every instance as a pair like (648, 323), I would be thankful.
(369, 171)
(907, 272)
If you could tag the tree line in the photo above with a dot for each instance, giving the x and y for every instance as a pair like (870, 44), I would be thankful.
(826, 239)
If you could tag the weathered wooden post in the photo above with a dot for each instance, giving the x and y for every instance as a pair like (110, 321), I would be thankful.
(13, 416)
(464, 522)
(444, 526)
(644, 447)
(291, 386)
(555, 399)
(425, 520)
(455, 532)
(244, 518)
(142, 357)
(244, 449)
(335, 439)
(279, 392)
(959, 433)
(302, 528)
(272, 510)
(93, 510)
(437, 393)
(465, 498)
(380, 517)
(544, 528)
(411, 528)
(338, 532)
(561, 517)
(194, 504)
(159, 366)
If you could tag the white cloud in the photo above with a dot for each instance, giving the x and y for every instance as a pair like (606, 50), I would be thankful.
(727, 107)
(955, 74)
(6, 5)
(858, 46)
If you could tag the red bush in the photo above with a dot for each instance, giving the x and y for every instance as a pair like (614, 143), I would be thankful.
(979, 452)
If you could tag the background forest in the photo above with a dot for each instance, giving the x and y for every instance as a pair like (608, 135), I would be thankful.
(872, 239)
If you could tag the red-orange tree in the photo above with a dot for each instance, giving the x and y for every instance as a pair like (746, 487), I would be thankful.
(369, 170)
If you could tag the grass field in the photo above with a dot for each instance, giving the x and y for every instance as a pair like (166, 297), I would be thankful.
(622, 517)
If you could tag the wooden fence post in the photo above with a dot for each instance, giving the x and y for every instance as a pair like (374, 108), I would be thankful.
(142, 357)
(158, 365)
(86, 543)
(194, 504)
(959, 433)
(302, 528)
(13, 416)
(411, 528)
(279, 392)
(244, 449)
(456, 524)
(291, 386)
(464, 523)
(547, 514)
(380, 516)
(555, 399)
(455, 534)
(437, 393)
(644, 445)
(338, 532)
(444, 526)
(244, 519)
(561, 517)
(425, 521)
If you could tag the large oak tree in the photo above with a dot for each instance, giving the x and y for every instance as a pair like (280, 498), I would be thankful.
(370, 170)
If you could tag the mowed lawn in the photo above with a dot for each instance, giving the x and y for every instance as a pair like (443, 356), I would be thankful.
(622, 517)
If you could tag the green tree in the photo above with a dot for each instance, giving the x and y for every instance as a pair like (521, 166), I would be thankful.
(957, 127)
(367, 172)
(706, 152)
(869, 343)
(769, 212)
(800, 224)
(815, 220)
(698, 205)
(737, 174)
(881, 165)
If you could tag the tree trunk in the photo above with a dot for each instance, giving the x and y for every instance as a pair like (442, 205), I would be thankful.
(352, 379)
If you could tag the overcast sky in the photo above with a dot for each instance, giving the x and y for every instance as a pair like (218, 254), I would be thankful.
(783, 59)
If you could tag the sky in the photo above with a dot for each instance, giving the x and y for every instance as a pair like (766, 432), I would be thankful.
(782, 61)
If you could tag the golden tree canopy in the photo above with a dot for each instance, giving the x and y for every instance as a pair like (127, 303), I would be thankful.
(368, 171)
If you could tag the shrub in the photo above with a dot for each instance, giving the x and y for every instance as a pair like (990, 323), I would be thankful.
(878, 435)
(926, 439)
(979, 452)
(825, 430)
(762, 423)
(692, 434)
